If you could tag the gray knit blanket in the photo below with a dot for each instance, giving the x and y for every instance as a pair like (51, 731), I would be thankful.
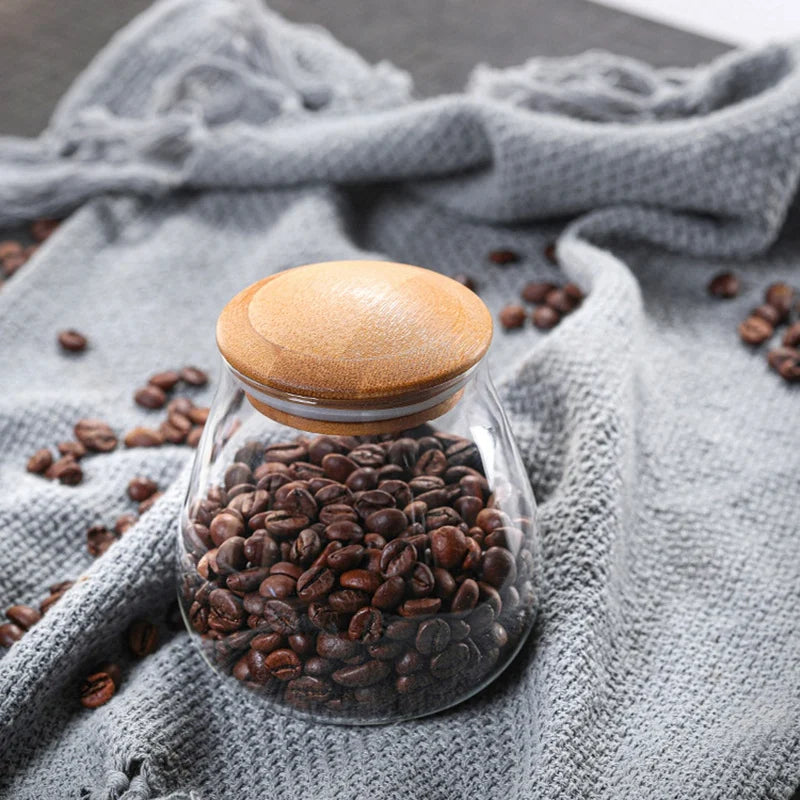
(212, 143)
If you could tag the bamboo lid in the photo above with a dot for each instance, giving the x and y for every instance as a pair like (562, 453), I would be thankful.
(353, 334)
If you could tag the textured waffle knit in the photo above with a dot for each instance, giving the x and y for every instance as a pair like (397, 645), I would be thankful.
(213, 143)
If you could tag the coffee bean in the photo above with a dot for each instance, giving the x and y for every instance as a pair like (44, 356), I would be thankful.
(536, 291)
(360, 579)
(452, 661)
(755, 330)
(368, 455)
(284, 664)
(560, 301)
(141, 488)
(791, 338)
(146, 505)
(10, 633)
(143, 437)
(261, 549)
(283, 525)
(286, 453)
(448, 545)
(40, 461)
(72, 341)
(298, 502)
(344, 531)
(66, 470)
(23, 616)
(503, 256)
(362, 479)
(778, 355)
(398, 558)
(789, 369)
(96, 435)
(338, 467)
(166, 380)
(180, 405)
(337, 646)
(348, 601)
(465, 280)
(97, 689)
(150, 396)
(224, 526)
(142, 638)
(780, 296)
(433, 636)
(366, 625)
(466, 598)
(430, 465)
(308, 690)
(399, 490)
(230, 556)
(294, 571)
(347, 558)
(388, 522)
(246, 581)
(315, 583)
(444, 585)
(99, 539)
(424, 606)
(768, 313)
(366, 674)
(194, 376)
(725, 285)
(498, 566)
(389, 594)
(9, 247)
(411, 661)
(545, 317)
(512, 316)
(319, 667)
(306, 547)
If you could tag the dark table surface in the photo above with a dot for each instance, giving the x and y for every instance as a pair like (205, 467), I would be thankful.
(45, 43)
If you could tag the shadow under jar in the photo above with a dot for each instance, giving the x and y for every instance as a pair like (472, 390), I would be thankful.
(358, 543)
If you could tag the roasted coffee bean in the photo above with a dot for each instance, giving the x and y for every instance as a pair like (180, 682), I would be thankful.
(459, 630)
(513, 316)
(42, 229)
(371, 501)
(97, 689)
(466, 598)
(40, 461)
(72, 341)
(374, 541)
(560, 301)
(95, 435)
(246, 581)
(366, 674)
(10, 633)
(304, 644)
(99, 539)
(180, 405)
(338, 467)
(425, 484)
(368, 455)
(166, 380)
(337, 646)
(755, 330)
(298, 502)
(315, 583)
(403, 452)
(444, 584)
(324, 618)
(388, 522)
(491, 518)
(194, 376)
(399, 490)
(498, 567)
(780, 296)
(768, 313)
(778, 355)
(144, 437)
(424, 606)
(536, 291)
(791, 338)
(74, 449)
(344, 531)
(261, 550)
(308, 690)
(490, 596)
(411, 661)
(285, 665)
(398, 558)
(10, 247)
(452, 661)
(449, 546)
(346, 558)
(224, 526)
(472, 560)
(789, 369)
(227, 611)
(257, 670)
(321, 446)
(389, 594)
(481, 619)
(725, 285)
(348, 601)
(141, 488)
(302, 470)
(463, 453)
(545, 317)
(23, 616)
(306, 547)
(142, 638)
(468, 508)
(362, 480)
(433, 636)
(286, 452)
(293, 571)
(230, 556)
(409, 684)
(281, 616)
(574, 292)
(237, 473)
(337, 512)
(421, 581)
(360, 579)
(283, 525)
(318, 666)
(441, 517)
(66, 470)
(366, 625)
(503, 256)
(430, 463)
(150, 396)
(146, 505)
(402, 629)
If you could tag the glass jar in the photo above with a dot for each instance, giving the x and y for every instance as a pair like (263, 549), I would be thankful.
(358, 542)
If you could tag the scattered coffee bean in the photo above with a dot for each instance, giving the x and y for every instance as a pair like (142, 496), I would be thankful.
(755, 330)
(141, 488)
(97, 689)
(147, 504)
(40, 461)
(768, 313)
(9, 634)
(545, 317)
(66, 470)
(99, 539)
(22, 616)
(725, 285)
(8, 247)
(503, 257)
(791, 337)
(142, 638)
(166, 381)
(143, 437)
(789, 368)
(74, 449)
(150, 396)
(124, 522)
(560, 301)
(780, 296)
(574, 293)
(537, 291)
(512, 316)
(95, 435)
(72, 340)
(194, 376)
(337, 573)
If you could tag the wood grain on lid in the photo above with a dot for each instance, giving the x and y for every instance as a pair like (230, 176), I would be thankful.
(358, 333)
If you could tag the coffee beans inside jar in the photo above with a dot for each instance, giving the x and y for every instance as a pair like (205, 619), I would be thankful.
(359, 578)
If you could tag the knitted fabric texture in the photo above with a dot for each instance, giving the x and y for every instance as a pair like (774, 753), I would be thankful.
(213, 143)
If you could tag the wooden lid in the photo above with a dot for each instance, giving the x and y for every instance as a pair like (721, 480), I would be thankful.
(354, 334)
